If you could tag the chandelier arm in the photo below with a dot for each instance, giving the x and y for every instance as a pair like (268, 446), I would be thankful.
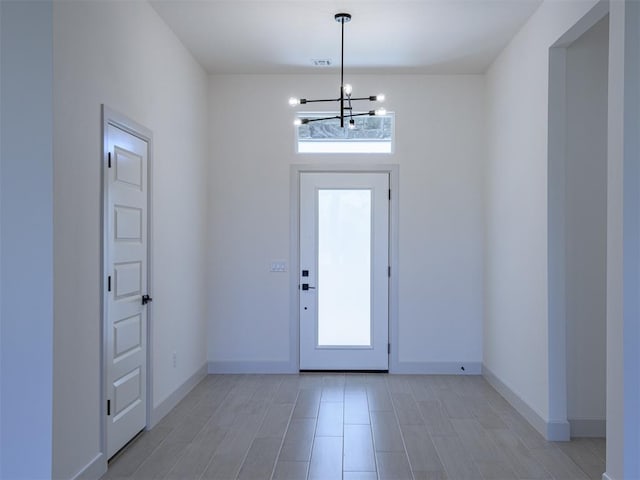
(322, 100)
(370, 113)
(310, 120)
(371, 98)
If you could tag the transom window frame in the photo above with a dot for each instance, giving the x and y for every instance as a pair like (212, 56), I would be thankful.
(349, 146)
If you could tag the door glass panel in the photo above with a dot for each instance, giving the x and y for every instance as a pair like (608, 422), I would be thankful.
(344, 267)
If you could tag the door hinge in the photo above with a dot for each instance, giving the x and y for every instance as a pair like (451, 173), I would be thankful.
(109, 160)
(108, 407)
(389, 194)
(389, 271)
(109, 283)
(389, 348)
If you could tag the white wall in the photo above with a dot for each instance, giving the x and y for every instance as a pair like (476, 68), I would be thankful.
(586, 229)
(439, 150)
(26, 226)
(516, 347)
(623, 244)
(123, 55)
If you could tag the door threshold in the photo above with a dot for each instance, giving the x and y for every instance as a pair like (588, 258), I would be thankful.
(344, 371)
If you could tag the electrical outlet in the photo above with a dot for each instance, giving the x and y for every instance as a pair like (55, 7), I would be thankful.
(175, 359)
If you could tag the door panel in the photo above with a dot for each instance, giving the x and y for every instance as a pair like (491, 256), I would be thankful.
(344, 259)
(126, 259)
(127, 336)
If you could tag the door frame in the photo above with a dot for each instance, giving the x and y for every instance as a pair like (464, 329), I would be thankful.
(112, 117)
(296, 170)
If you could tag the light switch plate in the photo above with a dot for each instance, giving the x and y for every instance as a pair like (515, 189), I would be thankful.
(278, 266)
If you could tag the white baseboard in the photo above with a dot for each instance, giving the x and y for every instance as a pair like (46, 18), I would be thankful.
(558, 431)
(552, 431)
(251, 367)
(588, 428)
(405, 368)
(94, 469)
(178, 394)
(437, 368)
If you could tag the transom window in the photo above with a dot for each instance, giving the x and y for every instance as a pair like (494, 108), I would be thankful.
(372, 134)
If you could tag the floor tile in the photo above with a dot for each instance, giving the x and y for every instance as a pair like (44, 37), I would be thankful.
(276, 420)
(495, 470)
(326, 458)
(393, 466)
(330, 419)
(518, 455)
(457, 462)
(130, 459)
(585, 454)
(360, 476)
(298, 440)
(356, 408)
(358, 449)
(476, 441)
(161, 461)
(437, 475)
(379, 399)
(197, 455)
(386, 432)
(435, 418)
(291, 471)
(260, 459)
(558, 464)
(421, 450)
(406, 409)
(307, 404)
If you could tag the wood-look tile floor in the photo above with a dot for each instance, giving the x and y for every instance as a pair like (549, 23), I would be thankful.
(351, 427)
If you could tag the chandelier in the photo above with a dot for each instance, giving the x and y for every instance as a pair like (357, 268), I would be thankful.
(346, 90)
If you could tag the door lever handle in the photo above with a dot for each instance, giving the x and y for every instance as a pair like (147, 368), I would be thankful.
(305, 286)
(146, 299)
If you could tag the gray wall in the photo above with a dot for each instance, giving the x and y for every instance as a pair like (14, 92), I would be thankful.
(26, 240)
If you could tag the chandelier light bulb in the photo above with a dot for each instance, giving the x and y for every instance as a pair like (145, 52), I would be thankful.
(352, 124)
(348, 89)
(380, 98)
(297, 122)
(294, 101)
(380, 112)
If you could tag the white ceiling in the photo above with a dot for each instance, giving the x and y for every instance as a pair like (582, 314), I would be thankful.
(385, 36)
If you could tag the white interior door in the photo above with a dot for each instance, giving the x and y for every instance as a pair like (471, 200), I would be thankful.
(126, 243)
(344, 265)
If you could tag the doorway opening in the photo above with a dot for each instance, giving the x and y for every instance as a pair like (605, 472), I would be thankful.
(578, 115)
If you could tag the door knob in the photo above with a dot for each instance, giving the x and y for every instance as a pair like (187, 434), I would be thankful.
(146, 299)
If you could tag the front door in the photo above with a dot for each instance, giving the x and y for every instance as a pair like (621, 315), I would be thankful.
(126, 244)
(344, 271)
